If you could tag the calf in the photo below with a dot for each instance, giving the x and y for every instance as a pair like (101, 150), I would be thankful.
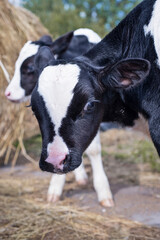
(110, 82)
(25, 77)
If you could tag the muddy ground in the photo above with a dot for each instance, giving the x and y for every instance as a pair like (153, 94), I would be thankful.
(132, 166)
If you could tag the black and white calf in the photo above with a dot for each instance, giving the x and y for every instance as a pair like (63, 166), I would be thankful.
(25, 77)
(111, 82)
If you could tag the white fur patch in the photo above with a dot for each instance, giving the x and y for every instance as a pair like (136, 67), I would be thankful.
(57, 147)
(17, 93)
(154, 28)
(90, 34)
(56, 84)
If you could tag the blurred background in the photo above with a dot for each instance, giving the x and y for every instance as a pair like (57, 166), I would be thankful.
(129, 157)
(60, 16)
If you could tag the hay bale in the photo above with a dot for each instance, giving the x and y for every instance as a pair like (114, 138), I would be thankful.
(17, 26)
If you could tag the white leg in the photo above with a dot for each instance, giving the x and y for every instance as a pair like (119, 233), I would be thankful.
(80, 175)
(100, 180)
(57, 183)
(55, 187)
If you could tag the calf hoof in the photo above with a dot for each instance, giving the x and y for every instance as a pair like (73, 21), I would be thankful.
(53, 198)
(107, 203)
(82, 182)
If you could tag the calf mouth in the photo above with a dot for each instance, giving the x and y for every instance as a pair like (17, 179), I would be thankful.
(47, 167)
(14, 101)
(68, 166)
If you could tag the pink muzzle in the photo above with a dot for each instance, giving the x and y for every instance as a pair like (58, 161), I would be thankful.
(57, 160)
(57, 153)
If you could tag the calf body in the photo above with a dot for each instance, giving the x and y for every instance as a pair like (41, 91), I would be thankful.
(111, 82)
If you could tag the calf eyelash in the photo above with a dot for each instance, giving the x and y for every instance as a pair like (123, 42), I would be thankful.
(84, 111)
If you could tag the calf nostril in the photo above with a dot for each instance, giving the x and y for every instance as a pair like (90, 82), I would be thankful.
(8, 94)
(64, 160)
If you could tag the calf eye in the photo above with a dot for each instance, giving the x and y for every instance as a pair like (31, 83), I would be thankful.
(90, 106)
(30, 69)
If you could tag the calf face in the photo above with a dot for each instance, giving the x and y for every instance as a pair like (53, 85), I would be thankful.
(25, 77)
(68, 103)
(24, 70)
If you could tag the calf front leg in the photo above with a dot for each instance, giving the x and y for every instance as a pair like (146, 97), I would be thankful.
(56, 187)
(100, 180)
(80, 175)
(57, 183)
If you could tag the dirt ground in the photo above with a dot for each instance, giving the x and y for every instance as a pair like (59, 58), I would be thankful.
(132, 167)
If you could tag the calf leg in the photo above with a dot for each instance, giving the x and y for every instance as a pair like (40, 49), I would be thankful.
(100, 180)
(80, 175)
(55, 187)
(57, 183)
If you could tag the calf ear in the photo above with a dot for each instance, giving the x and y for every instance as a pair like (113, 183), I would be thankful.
(45, 40)
(62, 43)
(42, 58)
(125, 73)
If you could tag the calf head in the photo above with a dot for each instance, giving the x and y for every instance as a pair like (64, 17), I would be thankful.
(25, 76)
(68, 104)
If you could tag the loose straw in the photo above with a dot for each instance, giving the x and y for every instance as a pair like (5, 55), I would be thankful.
(6, 74)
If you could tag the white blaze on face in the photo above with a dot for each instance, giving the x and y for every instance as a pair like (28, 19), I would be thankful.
(56, 84)
(154, 28)
(14, 91)
(90, 34)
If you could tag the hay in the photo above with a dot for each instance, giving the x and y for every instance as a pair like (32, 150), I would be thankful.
(17, 26)
(25, 215)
